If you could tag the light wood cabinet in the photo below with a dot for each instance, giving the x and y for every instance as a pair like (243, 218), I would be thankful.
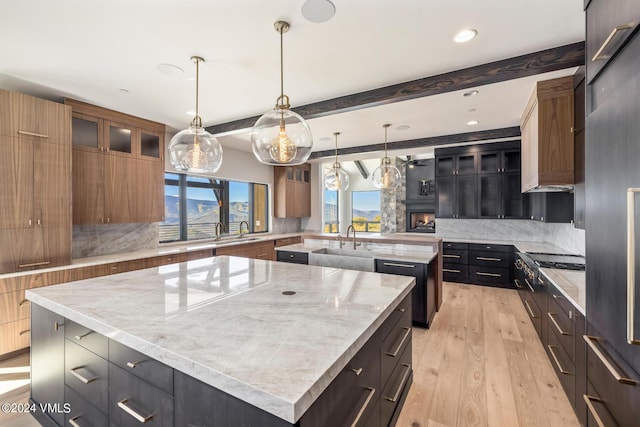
(15, 336)
(259, 250)
(292, 191)
(118, 169)
(547, 135)
(35, 172)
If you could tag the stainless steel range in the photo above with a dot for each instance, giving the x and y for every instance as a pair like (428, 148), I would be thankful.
(530, 262)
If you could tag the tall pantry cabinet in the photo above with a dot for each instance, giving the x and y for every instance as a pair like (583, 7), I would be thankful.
(35, 183)
(612, 183)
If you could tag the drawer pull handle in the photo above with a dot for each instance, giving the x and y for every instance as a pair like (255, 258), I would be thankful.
(600, 53)
(529, 285)
(34, 264)
(526, 303)
(631, 266)
(292, 256)
(451, 256)
(129, 410)
(39, 135)
(394, 264)
(372, 391)
(553, 320)
(449, 270)
(73, 422)
(557, 362)
(482, 258)
(517, 282)
(23, 302)
(79, 337)
(57, 325)
(82, 378)
(401, 310)
(407, 331)
(357, 371)
(592, 341)
(592, 409)
(395, 397)
(480, 273)
(132, 365)
(24, 332)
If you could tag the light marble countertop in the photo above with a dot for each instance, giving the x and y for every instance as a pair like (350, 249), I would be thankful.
(391, 251)
(225, 321)
(571, 283)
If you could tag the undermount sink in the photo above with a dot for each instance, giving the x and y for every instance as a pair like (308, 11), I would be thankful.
(350, 259)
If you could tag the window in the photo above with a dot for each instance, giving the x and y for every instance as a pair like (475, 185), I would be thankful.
(365, 213)
(195, 204)
(330, 212)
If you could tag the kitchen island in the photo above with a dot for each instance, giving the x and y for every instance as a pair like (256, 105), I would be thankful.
(267, 343)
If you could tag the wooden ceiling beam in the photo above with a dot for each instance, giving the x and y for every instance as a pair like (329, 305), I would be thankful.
(557, 58)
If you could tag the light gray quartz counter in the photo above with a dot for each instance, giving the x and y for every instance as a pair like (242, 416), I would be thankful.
(226, 322)
(571, 283)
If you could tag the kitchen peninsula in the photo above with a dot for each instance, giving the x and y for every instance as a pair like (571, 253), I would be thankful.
(224, 341)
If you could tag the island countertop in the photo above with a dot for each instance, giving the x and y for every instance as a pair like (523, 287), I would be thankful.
(226, 322)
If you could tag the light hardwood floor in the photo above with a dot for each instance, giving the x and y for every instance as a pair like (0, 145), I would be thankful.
(480, 364)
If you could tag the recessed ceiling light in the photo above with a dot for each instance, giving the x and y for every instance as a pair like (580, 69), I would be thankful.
(470, 93)
(318, 11)
(325, 138)
(465, 35)
(472, 122)
(402, 127)
(170, 70)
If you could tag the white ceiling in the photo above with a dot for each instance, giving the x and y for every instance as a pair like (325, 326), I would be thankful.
(90, 50)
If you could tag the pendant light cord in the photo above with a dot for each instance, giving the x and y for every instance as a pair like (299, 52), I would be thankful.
(336, 134)
(281, 66)
(197, 120)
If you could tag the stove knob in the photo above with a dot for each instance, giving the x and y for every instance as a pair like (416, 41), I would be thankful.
(519, 264)
(531, 275)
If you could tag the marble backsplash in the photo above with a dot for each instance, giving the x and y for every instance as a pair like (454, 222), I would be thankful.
(286, 225)
(562, 235)
(105, 239)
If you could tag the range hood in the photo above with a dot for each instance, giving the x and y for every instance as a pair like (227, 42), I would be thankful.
(547, 137)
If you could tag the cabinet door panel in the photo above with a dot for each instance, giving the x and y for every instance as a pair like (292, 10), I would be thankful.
(512, 199)
(120, 195)
(88, 188)
(490, 162)
(490, 196)
(466, 164)
(51, 185)
(445, 199)
(41, 119)
(150, 189)
(119, 139)
(16, 176)
(466, 196)
(445, 166)
(7, 118)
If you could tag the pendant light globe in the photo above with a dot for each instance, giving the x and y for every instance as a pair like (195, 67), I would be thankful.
(194, 149)
(336, 179)
(386, 175)
(281, 137)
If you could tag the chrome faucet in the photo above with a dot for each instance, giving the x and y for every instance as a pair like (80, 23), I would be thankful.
(219, 229)
(240, 231)
(349, 228)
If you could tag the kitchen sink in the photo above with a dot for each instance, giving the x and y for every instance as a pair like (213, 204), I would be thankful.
(361, 260)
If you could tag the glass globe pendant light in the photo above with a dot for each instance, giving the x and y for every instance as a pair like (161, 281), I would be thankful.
(336, 179)
(386, 175)
(281, 137)
(194, 149)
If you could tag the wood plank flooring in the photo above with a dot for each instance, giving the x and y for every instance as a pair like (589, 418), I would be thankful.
(480, 364)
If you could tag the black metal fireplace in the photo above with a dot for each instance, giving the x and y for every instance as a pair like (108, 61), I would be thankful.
(421, 218)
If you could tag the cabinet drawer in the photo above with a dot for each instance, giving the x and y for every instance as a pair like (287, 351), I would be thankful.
(393, 345)
(531, 307)
(14, 335)
(489, 275)
(564, 367)
(399, 313)
(14, 306)
(455, 272)
(454, 245)
(136, 363)
(172, 258)
(457, 256)
(287, 241)
(294, 257)
(87, 338)
(396, 387)
(204, 253)
(86, 373)
(489, 259)
(82, 413)
(561, 302)
(133, 401)
(484, 247)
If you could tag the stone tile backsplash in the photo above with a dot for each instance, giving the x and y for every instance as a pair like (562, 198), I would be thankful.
(105, 239)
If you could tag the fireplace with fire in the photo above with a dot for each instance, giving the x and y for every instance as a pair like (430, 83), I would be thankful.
(418, 220)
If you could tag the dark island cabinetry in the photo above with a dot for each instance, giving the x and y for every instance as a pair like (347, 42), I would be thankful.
(478, 263)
